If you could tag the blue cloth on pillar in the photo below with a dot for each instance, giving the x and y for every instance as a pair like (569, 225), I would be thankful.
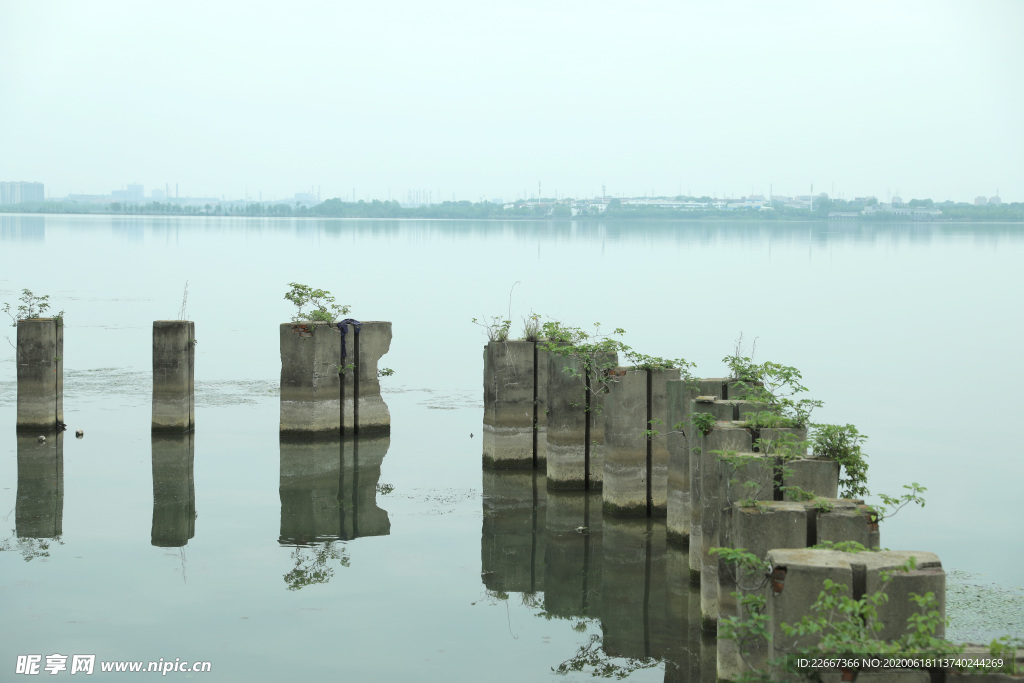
(343, 328)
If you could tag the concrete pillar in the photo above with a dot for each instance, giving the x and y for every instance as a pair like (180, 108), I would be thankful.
(854, 523)
(816, 476)
(724, 436)
(679, 395)
(174, 491)
(636, 443)
(328, 489)
(575, 425)
(39, 506)
(633, 590)
(540, 399)
(509, 405)
(573, 533)
(312, 387)
(512, 539)
(798, 576)
(174, 354)
(40, 358)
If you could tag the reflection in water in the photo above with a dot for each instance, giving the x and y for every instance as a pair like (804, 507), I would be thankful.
(174, 491)
(594, 568)
(39, 511)
(328, 494)
(15, 228)
(512, 541)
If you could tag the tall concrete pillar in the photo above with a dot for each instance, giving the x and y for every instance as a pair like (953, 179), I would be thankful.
(575, 425)
(510, 405)
(39, 506)
(174, 403)
(318, 379)
(174, 491)
(512, 538)
(40, 357)
(636, 443)
(328, 489)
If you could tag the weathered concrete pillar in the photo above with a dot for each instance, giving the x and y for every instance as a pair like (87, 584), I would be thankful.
(510, 405)
(40, 355)
(573, 533)
(816, 476)
(512, 540)
(636, 443)
(174, 354)
(575, 425)
(633, 590)
(328, 489)
(798, 576)
(39, 506)
(317, 380)
(723, 437)
(174, 491)
(847, 521)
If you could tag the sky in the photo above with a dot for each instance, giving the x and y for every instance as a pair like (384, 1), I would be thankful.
(480, 100)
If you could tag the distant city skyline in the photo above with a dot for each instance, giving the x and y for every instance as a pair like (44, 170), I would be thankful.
(138, 192)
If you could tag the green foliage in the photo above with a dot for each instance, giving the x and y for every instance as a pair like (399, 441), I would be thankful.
(532, 327)
(31, 307)
(385, 372)
(323, 307)
(703, 422)
(843, 546)
(786, 446)
(593, 658)
(777, 386)
(385, 489)
(314, 565)
(893, 504)
(842, 443)
(496, 328)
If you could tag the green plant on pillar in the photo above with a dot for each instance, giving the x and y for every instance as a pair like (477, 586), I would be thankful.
(322, 303)
(653, 433)
(703, 422)
(30, 308)
(786, 446)
(842, 443)
(496, 328)
(532, 327)
(385, 372)
(755, 491)
(843, 546)
(893, 504)
(777, 386)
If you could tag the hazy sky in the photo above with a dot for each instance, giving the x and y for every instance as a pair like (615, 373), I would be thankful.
(486, 99)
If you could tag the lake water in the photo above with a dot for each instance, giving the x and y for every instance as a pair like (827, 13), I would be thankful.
(439, 571)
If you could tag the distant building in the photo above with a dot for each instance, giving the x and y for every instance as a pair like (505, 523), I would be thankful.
(980, 201)
(133, 193)
(19, 192)
(995, 201)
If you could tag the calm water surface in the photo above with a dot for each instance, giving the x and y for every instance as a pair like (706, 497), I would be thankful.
(437, 571)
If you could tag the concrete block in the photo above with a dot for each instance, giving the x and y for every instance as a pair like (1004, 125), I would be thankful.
(796, 581)
(574, 433)
(724, 437)
(842, 523)
(328, 489)
(540, 432)
(636, 464)
(40, 361)
(174, 355)
(573, 534)
(509, 405)
(633, 590)
(39, 505)
(313, 392)
(928, 576)
(679, 394)
(818, 477)
(512, 540)
(174, 491)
